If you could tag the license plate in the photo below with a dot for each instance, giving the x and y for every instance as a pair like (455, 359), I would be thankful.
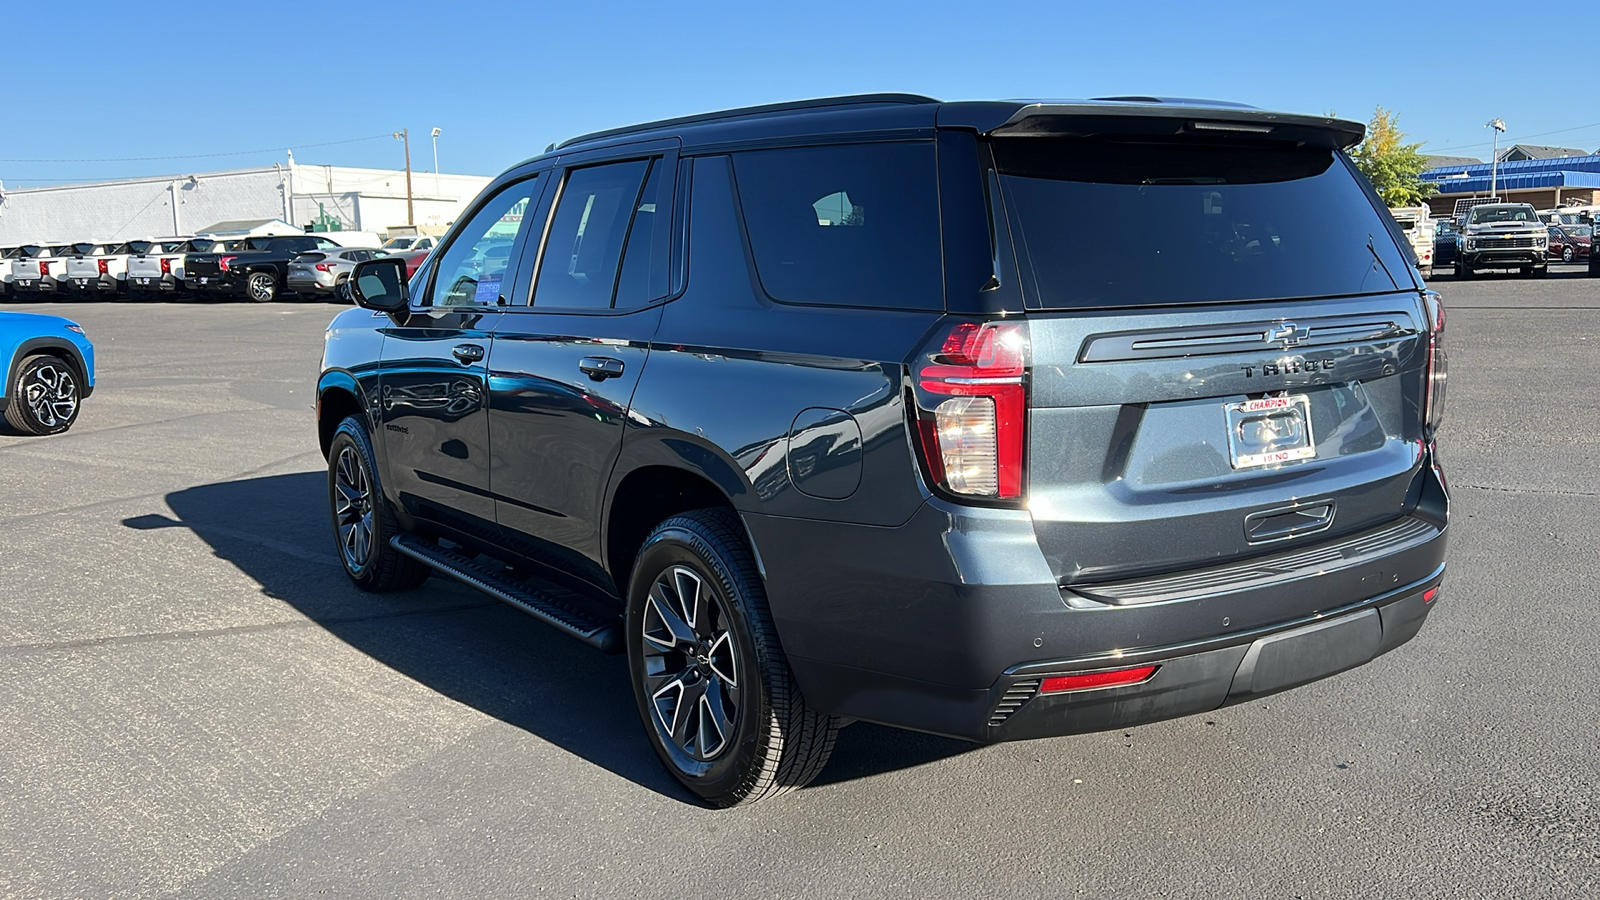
(1270, 431)
(142, 281)
(203, 279)
(81, 282)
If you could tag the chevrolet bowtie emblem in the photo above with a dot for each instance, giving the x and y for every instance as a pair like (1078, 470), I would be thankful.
(1289, 333)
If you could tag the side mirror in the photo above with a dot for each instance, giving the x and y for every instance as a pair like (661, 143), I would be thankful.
(380, 284)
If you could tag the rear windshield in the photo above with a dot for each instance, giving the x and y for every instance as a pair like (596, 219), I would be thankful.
(139, 247)
(314, 256)
(1107, 223)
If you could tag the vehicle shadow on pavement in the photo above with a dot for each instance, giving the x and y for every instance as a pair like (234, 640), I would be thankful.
(468, 647)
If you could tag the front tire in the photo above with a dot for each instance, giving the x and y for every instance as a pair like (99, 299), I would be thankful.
(262, 287)
(44, 396)
(363, 521)
(710, 679)
(1568, 254)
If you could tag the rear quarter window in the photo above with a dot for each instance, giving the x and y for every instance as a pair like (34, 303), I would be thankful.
(845, 225)
(1111, 223)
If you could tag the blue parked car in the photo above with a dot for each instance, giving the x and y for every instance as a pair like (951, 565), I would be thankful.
(49, 370)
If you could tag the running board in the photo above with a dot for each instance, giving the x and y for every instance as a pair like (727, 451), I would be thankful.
(556, 606)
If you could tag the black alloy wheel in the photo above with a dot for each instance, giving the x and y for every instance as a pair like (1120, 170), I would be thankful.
(363, 522)
(44, 397)
(262, 287)
(714, 690)
(691, 671)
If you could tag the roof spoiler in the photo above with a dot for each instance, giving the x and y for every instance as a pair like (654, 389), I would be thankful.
(1160, 120)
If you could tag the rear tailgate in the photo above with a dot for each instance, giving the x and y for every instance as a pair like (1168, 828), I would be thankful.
(1228, 350)
(1145, 455)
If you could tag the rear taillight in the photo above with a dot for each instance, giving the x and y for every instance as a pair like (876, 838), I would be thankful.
(44, 268)
(166, 265)
(222, 264)
(972, 408)
(324, 267)
(102, 266)
(1438, 362)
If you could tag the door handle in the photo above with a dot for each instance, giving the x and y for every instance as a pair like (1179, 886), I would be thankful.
(467, 353)
(600, 367)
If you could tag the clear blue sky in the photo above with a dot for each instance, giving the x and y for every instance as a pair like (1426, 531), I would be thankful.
(505, 79)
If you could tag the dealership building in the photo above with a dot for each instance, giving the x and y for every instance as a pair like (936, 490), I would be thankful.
(321, 198)
(1545, 177)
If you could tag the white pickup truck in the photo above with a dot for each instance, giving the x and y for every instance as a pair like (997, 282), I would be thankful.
(1417, 223)
(95, 269)
(39, 268)
(156, 267)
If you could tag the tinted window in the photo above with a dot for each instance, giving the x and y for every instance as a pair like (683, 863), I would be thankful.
(471, 269)
(579, 268)
(1218, 222)
(850, 225)
(645, 261)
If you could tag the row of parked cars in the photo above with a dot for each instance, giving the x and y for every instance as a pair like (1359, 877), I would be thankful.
(261, 269)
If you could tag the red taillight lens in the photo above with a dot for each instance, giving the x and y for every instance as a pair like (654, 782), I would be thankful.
(222, 263)
(166, 265)
(1061, 684)
(102, 266)
(324, 267)
(44, 268)
(972, 441)
(1438, 363)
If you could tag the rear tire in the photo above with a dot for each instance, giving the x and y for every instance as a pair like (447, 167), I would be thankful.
(261, 287)
(363, 521)
(44, 396)
(699, 633)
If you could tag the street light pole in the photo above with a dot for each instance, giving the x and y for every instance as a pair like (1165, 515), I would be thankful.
(405, 135)
(1499, 126)
(436, 132)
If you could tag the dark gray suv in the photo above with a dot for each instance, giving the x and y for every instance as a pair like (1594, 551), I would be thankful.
(874, 408)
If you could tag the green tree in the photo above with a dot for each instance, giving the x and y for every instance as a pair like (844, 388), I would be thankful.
(1393, 166)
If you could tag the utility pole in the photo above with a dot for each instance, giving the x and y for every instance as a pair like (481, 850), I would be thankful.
(436, 132)
(1499, 126)
(404, 134)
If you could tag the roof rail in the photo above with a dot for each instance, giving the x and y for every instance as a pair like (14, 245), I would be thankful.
(820, 103)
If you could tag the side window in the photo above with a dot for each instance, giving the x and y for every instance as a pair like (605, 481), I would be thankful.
(581, 255)
(848, 225)
(645, 262)
(471, 269)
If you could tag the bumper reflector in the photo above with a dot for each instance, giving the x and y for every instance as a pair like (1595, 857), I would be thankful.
(1061, 684)
(1429, 594)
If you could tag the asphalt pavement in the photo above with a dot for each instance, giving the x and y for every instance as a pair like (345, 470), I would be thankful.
(197, 703)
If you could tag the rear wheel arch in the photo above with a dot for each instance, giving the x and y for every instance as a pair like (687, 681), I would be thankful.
(646, 497)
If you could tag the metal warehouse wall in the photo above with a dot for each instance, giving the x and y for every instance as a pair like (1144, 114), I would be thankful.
(360, 199)
(142, 207)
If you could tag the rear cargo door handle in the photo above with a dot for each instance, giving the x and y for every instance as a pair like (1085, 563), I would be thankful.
(467, 353)
(1277, 524)
(600, 367)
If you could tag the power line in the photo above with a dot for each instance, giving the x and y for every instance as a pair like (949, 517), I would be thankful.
(1513, 141)
(370, 137)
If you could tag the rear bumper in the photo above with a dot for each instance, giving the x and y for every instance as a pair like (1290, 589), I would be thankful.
(309, 285)
(93, 284)
(949, 623)
(33, 284)
(163, 283)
